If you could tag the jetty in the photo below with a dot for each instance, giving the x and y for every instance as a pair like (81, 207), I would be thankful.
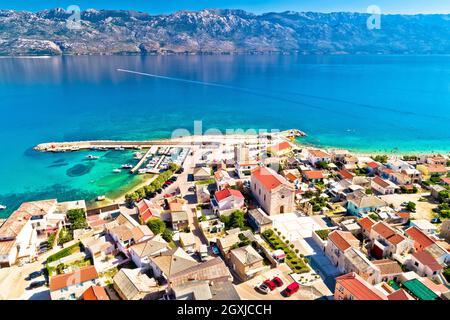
(141, 162)
(100, 144)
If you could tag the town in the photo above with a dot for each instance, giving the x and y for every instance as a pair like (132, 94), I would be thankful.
(250, 217)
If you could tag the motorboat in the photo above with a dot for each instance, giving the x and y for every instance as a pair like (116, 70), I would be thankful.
(127, 166)
(117, 171)
(2, 207)
(91, 157)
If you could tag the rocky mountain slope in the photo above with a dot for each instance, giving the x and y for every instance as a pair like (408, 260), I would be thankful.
(219, 31)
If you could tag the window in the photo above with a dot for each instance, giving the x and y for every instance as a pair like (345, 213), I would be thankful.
(416, 264)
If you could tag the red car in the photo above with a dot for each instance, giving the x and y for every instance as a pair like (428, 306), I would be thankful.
(291, 289)
(278, 282)
(270, 284)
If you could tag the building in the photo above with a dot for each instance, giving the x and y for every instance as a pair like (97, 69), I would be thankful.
(272, 191)
(214, 271)
(362, 204)
(315, 156)
(202, 173)
(227, 200)
(168, 263)
(366, 226)
(353, 287)
(223, 179)
(258, 220)
(132, 284)
(125, 236)
(187, 241)
(70, 286)
(29, 225)
(383, 186)
(387, 270)
(338, 242)
(142, 252)
(425, 265)
(147, 210)
(246, 262)
(280, 149)
(99, 248)
(179, 220)
(313, 176)
(386, 241)
(424, 225)
(445, 230)
(95, 293)
(421, 239)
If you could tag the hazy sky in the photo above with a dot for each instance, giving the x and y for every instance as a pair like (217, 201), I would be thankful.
(256, 6)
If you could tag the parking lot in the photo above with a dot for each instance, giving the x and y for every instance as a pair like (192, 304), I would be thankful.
(247, 289)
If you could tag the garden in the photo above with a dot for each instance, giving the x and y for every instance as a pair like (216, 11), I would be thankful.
(297, 264)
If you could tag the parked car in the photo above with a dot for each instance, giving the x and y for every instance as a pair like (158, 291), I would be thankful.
(34, 275)
(435, 220)
(173, 179)
(263, 288)
(272, 286)
(36, 284)
(278, 282)
(159, 191)
(291, 289)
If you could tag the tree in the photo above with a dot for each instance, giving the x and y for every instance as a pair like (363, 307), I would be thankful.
(411, 206)
(322, 165)
(381, 158)
(156, 225)
(443, 196)
(167, 235)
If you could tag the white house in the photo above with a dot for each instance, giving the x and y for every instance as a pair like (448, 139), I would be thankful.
(227, 200)
(425, 265)
(383, 186)
(315, 156)
(140, 253)
(70, 286)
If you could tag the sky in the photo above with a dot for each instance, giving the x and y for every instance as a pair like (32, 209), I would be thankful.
(255, 6)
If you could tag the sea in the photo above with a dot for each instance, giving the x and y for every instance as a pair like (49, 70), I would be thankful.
(374, 104)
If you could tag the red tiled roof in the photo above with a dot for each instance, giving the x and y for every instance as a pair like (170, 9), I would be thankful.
(436, 169)
(383, 230)
(318, 154)
(281, 146)
(342, 239)
(69, 279)
(396, 239)
(359, 289)
(404, 214)
(445, 180)
(419, 237)
(388, 171)
(268, 178)
(225, 193)
(427, 259)
(400, 295)
(372, 165)
(381, 182)
(313, 174)
(95, 293)
(345, 174)
(366, 223)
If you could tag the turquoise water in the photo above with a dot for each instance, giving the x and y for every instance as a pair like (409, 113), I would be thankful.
(369, 103)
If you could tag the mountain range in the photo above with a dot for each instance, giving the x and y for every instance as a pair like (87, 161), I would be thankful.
(219, 32)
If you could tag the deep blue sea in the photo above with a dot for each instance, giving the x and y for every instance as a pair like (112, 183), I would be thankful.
(367, 103)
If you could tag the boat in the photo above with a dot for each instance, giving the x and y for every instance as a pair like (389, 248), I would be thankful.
(117, 171)
(138, 155)
(2, 207)
(91, 157)
(101, 198)
(127, 166)
(119, 148)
